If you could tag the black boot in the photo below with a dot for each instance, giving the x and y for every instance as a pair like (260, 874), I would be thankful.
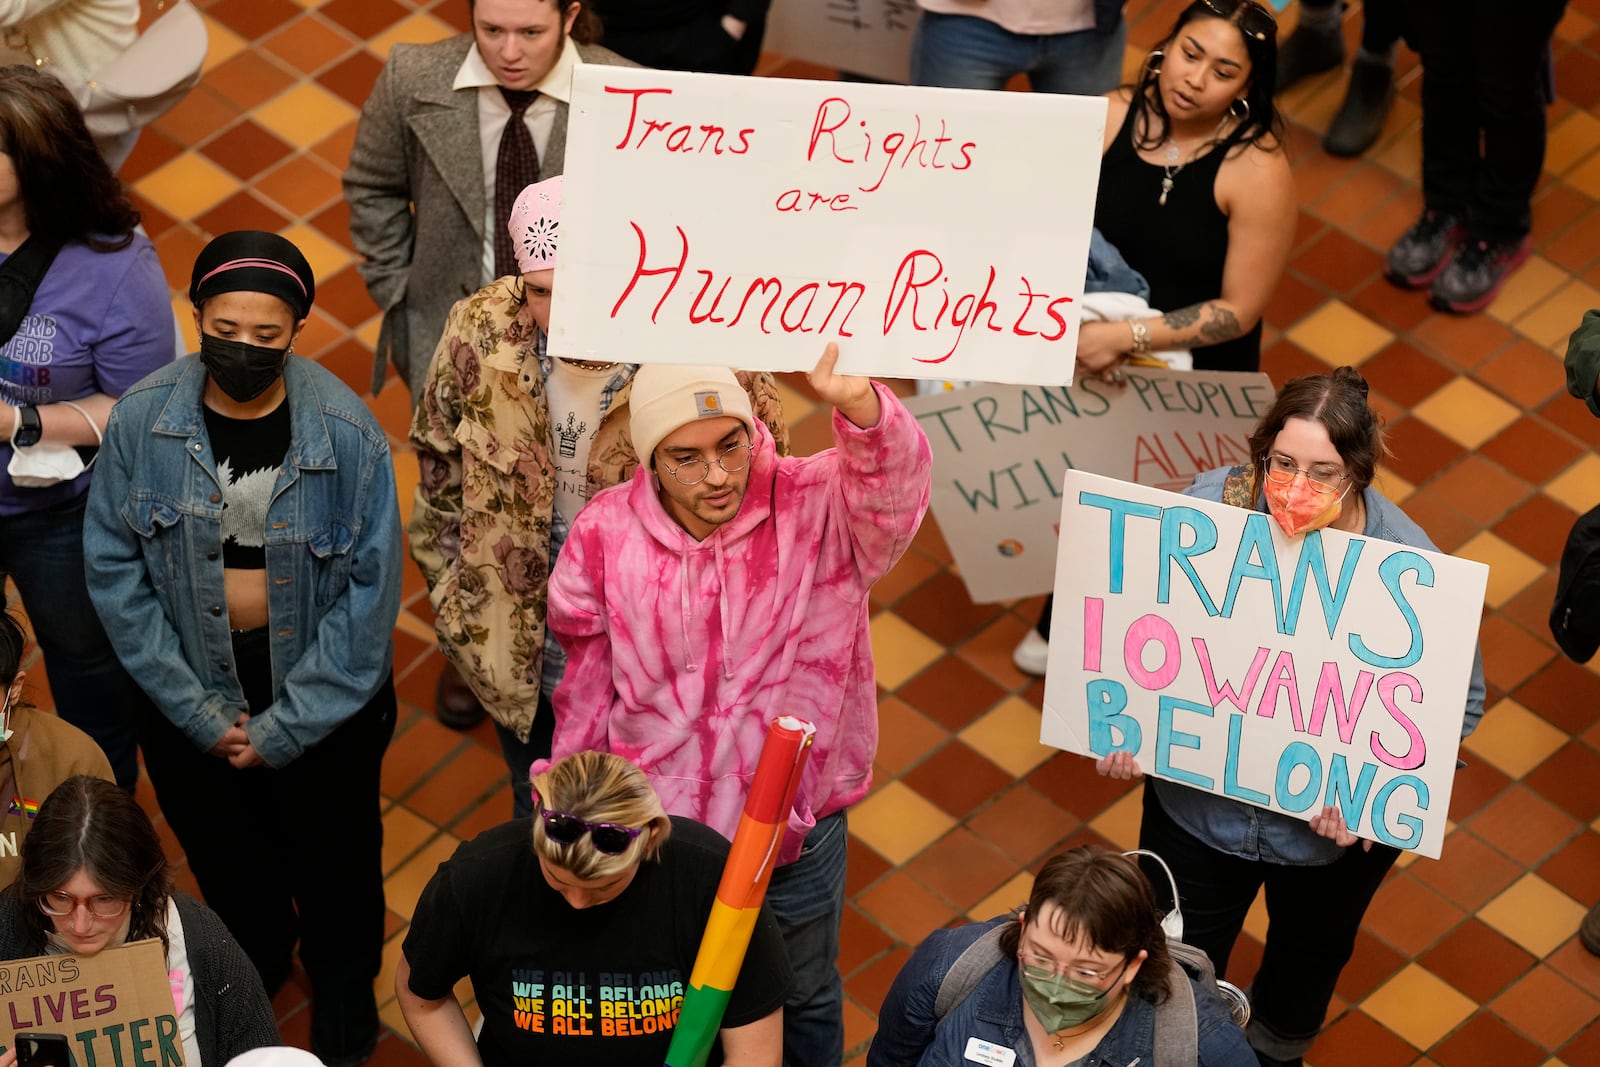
(1306, 52)
(1366, 106)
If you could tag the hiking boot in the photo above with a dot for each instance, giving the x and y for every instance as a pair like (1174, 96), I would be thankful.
(1589, 930)
(1366, 104)
(1306, 52)
(1474, 276)
(1424, 250)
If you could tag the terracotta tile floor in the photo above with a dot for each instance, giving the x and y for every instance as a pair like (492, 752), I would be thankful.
(1467, 960)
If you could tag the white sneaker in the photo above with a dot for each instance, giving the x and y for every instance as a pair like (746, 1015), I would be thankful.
(1032, 655)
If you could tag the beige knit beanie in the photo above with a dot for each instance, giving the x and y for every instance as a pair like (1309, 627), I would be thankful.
(665, 397)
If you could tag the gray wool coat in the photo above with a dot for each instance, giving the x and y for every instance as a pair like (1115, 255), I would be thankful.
(417, 144)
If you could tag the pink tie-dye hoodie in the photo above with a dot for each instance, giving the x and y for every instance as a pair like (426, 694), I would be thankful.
(681, 651)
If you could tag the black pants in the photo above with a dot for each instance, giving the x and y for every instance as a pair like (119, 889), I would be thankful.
(1483, 81)
(1382, 22)
(1313, 916)
(701, 45)
(293, 852)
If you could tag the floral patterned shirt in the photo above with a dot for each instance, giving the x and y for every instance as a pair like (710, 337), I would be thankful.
(481, 529)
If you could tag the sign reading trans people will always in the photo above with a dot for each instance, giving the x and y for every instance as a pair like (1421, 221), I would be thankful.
(747, 222)
(1289, 674)
(999, 453)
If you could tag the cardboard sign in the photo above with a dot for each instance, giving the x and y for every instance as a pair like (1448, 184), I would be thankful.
(1327, 670)
(999, 452)
(871, 37)
(746, 222)
(115, 1007)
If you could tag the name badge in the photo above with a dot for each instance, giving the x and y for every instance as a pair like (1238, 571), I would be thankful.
(989, 1054)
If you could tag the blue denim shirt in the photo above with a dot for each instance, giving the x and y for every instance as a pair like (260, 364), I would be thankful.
(1254, 833)
(910, 1036)
(153, 548)
(1108, 272)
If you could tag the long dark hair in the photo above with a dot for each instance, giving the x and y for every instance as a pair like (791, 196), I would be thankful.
(68, 192)
(91, 825)
(1105, 898)
(1262, 123)
(12, 642)
(1337, 400)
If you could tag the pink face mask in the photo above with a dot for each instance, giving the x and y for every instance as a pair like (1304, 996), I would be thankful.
(1299, 508)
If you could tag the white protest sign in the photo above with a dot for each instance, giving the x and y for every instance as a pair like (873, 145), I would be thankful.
(746, 222)
(999, 452)
(871, 37)
(1287, 674)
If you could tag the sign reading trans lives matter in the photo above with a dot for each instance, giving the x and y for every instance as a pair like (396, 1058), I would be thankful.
(933, 233)
(1288, 674)
(999, 452)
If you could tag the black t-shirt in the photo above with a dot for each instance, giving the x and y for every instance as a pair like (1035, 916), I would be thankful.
(600, 985)
(249, 454)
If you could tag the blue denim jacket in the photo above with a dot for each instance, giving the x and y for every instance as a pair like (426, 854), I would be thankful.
(153, 549)
(1255, 833)
(1109, 273)
(910, 1036)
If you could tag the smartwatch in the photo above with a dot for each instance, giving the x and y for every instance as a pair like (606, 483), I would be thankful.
(29, 427)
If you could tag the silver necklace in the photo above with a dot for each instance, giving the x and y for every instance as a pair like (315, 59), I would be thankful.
(1169, 172)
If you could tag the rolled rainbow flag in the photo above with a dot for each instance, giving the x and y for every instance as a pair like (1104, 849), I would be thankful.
(743, 887)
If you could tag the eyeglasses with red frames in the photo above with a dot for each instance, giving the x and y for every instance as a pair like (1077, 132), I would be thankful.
(101, 907)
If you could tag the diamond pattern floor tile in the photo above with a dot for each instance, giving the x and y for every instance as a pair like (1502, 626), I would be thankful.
(964, 789)
(1339, 335)
(1466, 412)
(897, 822)
(899, 649)
(1534, 914)
(1514, 739)
(1418, 1005)
(1546, 1007)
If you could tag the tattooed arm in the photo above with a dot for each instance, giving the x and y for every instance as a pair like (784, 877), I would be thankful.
(1256, 190)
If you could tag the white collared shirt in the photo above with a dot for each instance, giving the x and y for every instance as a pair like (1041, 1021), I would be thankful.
(494, 112)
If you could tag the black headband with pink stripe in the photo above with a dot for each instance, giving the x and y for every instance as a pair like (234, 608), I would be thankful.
(254, 261)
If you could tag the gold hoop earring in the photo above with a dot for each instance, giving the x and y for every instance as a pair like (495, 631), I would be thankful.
(1233, 109)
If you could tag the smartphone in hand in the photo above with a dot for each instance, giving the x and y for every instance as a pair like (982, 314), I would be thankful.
(43, 1050)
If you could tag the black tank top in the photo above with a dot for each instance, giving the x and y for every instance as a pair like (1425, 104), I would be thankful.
(1181, 247)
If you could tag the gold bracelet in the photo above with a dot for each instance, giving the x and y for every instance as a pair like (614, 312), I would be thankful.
(1141, 337)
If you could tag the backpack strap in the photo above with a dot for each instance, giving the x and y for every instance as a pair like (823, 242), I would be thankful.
(20, 276)
(1177, 1041)
(977, 960)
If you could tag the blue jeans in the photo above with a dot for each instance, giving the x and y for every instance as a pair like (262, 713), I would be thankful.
(42, 551)
(520, 755)
(967, 52)
(807, 900)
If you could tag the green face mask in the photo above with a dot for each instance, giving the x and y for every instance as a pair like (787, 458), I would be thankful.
(1061, 1003)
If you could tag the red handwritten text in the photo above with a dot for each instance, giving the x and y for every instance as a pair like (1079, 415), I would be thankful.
(676, 136)
(920, 301)
(834, 113)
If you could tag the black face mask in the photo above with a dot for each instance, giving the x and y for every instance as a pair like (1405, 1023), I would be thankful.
(242, 370)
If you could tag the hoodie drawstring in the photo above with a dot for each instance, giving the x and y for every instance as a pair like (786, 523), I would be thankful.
(722, 603)
(725, 608)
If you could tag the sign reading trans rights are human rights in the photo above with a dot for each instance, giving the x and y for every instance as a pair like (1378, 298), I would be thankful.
(1329, 669)
(932, 233)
